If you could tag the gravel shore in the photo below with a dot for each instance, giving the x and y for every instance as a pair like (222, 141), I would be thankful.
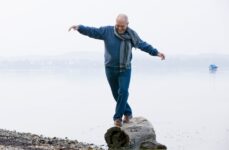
(12, 140)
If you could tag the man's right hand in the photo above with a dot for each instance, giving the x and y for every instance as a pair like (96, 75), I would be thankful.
(74, 27)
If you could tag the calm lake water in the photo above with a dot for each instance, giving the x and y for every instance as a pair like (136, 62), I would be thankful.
(188, 109)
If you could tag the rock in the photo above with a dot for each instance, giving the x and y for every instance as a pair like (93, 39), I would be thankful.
(138, 134)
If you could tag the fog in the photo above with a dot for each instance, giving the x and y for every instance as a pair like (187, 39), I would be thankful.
(30, 27)
(53, 81)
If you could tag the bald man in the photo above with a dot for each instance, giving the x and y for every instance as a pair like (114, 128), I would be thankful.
(119, 41)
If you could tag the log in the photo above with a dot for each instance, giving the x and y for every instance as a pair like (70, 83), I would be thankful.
(138, 134)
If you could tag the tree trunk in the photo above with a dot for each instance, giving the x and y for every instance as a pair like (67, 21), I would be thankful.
(138, 134)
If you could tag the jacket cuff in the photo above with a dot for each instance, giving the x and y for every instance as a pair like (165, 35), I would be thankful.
(154, 52)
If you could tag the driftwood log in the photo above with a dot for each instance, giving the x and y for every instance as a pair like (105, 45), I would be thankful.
(138, 134)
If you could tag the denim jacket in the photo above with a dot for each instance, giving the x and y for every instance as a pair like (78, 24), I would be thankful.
(112, 44)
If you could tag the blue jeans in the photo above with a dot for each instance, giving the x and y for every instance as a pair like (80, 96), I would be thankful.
(119, 80)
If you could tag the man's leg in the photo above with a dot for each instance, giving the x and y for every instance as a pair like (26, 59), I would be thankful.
(122, 107)
(112, 78)
(128, 110)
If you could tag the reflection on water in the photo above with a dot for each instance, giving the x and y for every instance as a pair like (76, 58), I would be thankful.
(189, 110)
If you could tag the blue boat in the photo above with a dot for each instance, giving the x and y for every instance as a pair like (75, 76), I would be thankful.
(213, 68)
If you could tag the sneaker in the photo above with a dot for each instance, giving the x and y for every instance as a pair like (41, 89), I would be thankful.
(127, 118)
(118, 123)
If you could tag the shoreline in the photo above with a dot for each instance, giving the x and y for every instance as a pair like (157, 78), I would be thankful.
(13, 140)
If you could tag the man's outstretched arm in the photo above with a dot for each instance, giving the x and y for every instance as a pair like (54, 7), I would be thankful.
(144, 46)
(97, 33)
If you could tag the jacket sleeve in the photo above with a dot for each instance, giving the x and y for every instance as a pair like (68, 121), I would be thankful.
(144, 46)
(97, 33)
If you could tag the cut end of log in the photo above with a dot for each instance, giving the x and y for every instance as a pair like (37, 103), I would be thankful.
(116, 138)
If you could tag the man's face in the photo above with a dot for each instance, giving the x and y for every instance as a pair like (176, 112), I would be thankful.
(121, 25)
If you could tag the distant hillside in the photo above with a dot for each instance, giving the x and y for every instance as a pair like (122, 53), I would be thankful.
(81, 60)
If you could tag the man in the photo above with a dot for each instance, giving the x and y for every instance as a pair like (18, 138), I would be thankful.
(119, 40)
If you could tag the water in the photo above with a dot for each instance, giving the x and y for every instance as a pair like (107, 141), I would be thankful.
(188, 109)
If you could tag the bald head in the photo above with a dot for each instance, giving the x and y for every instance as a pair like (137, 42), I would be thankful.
(121, 23)
(122, 17)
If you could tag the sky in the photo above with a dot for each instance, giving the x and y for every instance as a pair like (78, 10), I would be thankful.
(40, 27)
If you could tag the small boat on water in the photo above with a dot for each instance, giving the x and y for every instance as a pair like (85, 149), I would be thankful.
(213, 67)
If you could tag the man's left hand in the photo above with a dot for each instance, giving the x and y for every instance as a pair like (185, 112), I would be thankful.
(161, 55)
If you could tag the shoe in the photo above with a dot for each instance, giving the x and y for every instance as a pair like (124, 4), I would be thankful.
(127, 118)
(118, 123)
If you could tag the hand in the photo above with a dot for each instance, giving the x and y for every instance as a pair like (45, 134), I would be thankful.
(161, 55)
(74, 27)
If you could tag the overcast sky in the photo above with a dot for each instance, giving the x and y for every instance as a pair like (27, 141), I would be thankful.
(39, 27)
